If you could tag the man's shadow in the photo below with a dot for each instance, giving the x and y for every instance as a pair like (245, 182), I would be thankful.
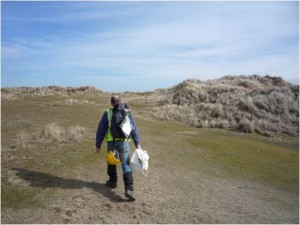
(39, 179)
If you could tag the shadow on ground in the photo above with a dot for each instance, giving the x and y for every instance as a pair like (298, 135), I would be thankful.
(39, 179)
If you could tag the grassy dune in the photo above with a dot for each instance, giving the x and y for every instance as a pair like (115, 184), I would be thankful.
(264, 105)
(193, 174)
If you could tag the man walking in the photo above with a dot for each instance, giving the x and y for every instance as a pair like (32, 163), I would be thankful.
(122, 145)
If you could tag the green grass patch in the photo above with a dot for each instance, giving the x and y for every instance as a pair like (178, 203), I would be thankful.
(221, 153)
(19, 197)
(252, 158)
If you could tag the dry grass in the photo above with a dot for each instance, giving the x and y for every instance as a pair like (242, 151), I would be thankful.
(23, 140)
(71, 101)
(75, 133)
(266, 105)
(28, 92)
(52, 132)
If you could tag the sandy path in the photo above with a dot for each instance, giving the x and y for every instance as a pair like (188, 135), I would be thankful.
(162, 197)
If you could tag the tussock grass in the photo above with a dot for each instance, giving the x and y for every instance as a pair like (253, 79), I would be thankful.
(266, 105)
(76, 133)
(50, 133)
(53, 132)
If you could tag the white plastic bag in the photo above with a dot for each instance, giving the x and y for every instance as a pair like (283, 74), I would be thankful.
(126, 126)
(140, 160)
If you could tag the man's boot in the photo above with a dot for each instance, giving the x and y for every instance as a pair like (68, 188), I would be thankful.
(113, 178)
(128, 182)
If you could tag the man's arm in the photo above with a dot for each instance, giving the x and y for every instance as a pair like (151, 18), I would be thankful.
(135, 133)
(101, 131)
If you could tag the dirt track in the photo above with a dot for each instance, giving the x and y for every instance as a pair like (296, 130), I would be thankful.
(160, 199)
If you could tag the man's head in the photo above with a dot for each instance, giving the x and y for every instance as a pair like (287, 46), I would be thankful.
(115, 100)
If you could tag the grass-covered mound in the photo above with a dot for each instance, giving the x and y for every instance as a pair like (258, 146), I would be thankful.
(266, 105)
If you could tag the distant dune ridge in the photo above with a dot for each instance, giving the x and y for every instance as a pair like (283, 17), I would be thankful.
(27, 92)
(266, 105)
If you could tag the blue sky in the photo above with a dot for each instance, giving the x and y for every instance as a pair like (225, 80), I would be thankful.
(141, 46)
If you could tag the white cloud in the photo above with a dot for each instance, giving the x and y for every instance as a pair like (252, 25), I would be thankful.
(174, 41)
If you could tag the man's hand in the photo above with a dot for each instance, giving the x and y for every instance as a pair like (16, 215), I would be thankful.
(98, 150)
(138, 146)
